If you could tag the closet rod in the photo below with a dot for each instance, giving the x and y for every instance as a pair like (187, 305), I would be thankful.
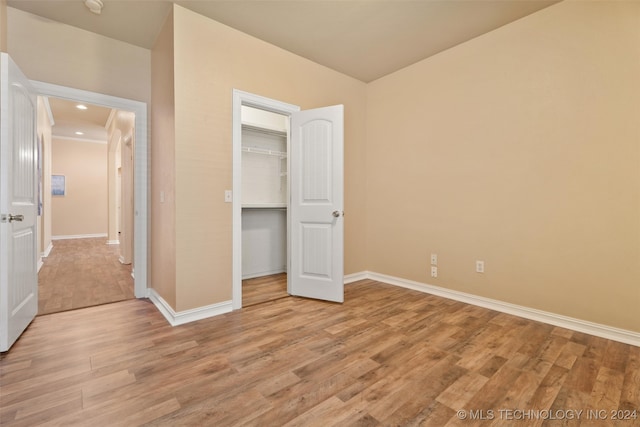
(264, 151)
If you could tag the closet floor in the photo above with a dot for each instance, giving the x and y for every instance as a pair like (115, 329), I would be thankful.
(263, 289)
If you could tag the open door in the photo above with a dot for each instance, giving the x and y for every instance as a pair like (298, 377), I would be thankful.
(18, 203)
(316, 204)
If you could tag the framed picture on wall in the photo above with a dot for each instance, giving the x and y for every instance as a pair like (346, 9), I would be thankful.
(57, 185)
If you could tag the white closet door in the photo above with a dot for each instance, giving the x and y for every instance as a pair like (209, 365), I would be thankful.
(317, 224)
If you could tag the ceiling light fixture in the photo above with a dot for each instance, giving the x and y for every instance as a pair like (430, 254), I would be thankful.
(81, 107)
(94, 6)
(79, 133)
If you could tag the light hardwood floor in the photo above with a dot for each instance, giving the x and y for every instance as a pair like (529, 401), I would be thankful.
(388, 356)
(81, 273)
(263, 289)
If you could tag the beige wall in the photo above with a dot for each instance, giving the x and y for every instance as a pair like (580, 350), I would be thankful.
(52, 52)
(163, 226)
(44, 135)
(520, 148)
(3, 25)
(83, 210)
(210, 61)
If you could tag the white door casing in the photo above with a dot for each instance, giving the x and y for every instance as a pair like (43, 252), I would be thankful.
(241, 98)
(18, 203)
(140, 168)
(316, 204)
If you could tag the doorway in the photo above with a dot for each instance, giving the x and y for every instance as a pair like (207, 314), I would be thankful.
(264, 200)
(86, 222)
(265, 206)
(140, 168)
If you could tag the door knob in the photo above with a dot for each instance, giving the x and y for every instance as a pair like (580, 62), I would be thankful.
(11, 218)
(337, 214)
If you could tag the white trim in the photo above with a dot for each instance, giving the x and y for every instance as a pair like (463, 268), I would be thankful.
(47, 108)
(113, 242)
(141, 167)
(78, 236)
(591, 328)
(241, 98)
(40, 264)
(48, 250)
(112, 115)
(187, 316)
(354, 277)
(264, 273)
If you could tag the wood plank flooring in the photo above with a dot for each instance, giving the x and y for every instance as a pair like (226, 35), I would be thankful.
(263, 289)
(82, 273)
(388, 356)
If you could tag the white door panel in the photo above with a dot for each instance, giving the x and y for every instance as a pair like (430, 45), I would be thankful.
(317, 226)
(18, 204)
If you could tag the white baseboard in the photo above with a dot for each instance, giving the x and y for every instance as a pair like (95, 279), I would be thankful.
(78, 236)
(350, 278)
(186, 316)
(113, 242)
(599, 330)
(48, 250)
(264, 273)
(40, 264)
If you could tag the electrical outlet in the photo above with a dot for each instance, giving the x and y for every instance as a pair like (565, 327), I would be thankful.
(434, 271)
(434, 259)
(479, 266)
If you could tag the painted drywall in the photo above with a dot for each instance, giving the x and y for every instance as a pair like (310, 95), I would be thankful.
(264, 242)
(3, 25)
(57, 53)
(163, 200)
(211, 60)
(44, 135)
(121, 141)
(520, 148)
(114, 163)
(83, 209)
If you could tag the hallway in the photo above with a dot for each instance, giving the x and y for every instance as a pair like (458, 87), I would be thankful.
(82, 273)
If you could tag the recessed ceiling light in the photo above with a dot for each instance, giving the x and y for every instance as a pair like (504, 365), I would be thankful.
(79, 133)
(81, 107)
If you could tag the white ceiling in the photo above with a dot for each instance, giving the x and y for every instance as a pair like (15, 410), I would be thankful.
(363, 39)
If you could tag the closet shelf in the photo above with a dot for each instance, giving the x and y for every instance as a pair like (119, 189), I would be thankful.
(265, 151)
(264, 206)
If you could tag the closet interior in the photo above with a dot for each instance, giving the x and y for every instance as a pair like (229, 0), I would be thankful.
(264, 200)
